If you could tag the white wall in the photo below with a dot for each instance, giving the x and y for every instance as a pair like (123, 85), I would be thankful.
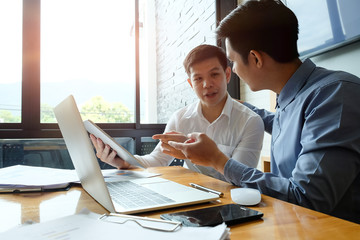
(346, 58)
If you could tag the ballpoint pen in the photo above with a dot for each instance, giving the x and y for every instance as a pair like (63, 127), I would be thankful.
(20, 190)
(197, 186)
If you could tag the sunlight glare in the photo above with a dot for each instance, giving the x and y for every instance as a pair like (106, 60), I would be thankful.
(10, 41)
(79, 37)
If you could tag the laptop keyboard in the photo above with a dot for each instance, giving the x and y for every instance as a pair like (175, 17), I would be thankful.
(132, 195)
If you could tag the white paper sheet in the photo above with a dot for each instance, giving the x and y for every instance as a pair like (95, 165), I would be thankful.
(87, 226)
(21, 176)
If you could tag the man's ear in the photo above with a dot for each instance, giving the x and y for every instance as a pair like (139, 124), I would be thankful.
(228, 74)
(189, 81)
(256, 58)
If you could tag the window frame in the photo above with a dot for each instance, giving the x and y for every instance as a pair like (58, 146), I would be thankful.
(30, 126)
(223, 8)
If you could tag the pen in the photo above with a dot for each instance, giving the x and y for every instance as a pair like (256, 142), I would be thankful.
(197, 186)
(19, 190)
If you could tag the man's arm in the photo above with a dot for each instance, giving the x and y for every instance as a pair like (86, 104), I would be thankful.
(301, 188)
(320, 187)
(248, 149)
(266, 116)
(157, 157)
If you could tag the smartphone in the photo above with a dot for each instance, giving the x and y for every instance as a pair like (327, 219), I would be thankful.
(230, 214)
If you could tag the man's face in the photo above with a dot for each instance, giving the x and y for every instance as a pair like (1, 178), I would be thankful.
(244, 71)
(209, 81)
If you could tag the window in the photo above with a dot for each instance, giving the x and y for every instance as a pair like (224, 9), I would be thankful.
(147, 62)
(10, 60)
(91, 57)
(88, 48)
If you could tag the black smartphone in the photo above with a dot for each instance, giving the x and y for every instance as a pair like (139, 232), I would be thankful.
(212, 216)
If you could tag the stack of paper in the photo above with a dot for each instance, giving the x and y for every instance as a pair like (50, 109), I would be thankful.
(88, 226)
(23, 178)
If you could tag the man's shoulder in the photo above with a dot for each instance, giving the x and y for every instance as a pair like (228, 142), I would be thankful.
(328, 86)
(241, 109)
(241, 115)
(322, 77)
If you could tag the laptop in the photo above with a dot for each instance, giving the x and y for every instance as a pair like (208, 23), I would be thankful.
(148, 194)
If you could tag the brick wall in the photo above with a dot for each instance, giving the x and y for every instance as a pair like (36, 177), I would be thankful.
(180, 26)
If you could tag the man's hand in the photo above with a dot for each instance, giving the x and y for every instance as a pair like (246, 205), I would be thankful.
(107, 155)
(201, 150)
(171, 136)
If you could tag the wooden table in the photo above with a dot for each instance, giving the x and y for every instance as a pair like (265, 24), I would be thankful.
(281, 220)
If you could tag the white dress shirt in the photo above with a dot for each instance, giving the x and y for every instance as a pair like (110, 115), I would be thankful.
(238, 133)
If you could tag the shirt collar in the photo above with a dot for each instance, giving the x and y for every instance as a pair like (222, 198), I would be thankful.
(295, 83)
(196, 110)
(228, 106)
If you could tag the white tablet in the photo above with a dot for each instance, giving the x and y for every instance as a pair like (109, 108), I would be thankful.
(121, 151)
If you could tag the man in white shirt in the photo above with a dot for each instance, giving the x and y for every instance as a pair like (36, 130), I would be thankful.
(237, 131)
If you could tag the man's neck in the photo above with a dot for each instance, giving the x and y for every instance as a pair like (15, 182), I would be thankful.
(284, 73)
(211, 113)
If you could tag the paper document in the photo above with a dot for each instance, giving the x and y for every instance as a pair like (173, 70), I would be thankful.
(30, 178)
(88, 226)
(21, 176)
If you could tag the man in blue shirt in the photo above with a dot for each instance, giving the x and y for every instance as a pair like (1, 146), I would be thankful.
(315, 146)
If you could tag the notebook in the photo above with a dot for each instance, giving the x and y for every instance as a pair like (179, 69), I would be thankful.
(85, 162)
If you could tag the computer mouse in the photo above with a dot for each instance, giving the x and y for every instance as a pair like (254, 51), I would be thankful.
(245, 196)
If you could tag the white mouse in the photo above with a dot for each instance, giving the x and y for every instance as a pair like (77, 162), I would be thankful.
(245, 196)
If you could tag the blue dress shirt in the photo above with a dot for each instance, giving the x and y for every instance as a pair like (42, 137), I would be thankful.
(315, 146)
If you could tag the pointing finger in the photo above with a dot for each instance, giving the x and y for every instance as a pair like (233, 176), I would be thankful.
(177, 145)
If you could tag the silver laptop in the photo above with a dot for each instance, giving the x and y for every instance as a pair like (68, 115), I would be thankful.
(147, 194)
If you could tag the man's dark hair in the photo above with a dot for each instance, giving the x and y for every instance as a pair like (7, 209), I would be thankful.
(204, 52)
(262, 25)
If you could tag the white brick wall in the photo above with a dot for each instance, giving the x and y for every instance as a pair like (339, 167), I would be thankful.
(180, 26)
